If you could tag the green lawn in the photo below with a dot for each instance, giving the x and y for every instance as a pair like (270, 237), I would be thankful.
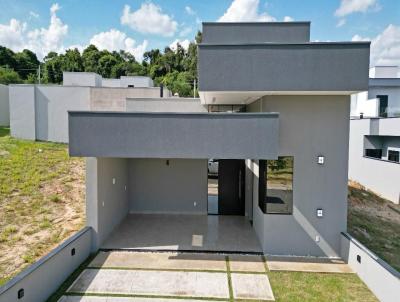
(41, 200)
(300, 287)
(372, 221)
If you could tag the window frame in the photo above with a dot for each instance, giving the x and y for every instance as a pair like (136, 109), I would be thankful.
(262, 194)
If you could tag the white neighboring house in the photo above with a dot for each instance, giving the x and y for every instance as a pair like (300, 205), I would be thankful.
(375, 134)
(40, 112)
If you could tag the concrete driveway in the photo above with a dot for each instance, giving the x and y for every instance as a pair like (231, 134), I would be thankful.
(115, 276)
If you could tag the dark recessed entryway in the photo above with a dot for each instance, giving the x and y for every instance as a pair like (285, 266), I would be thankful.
(226, 187)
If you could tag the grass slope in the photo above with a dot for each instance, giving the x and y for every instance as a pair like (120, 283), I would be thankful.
(374, 223)
(41, 200)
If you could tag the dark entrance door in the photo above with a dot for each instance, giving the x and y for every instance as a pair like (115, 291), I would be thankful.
(231, 187)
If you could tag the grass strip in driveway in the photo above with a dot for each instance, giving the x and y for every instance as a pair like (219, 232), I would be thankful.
(317, 287)
(228, 272)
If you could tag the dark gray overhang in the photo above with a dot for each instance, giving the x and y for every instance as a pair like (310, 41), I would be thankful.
(323, 66)
(255, 32)
(174, 135)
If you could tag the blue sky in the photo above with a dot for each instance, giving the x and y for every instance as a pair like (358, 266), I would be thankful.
(155, 24)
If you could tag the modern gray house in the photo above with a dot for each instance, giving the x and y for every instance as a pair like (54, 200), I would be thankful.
(375, 134)
(273, 112)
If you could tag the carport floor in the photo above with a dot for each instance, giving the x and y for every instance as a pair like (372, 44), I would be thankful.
(184, 233)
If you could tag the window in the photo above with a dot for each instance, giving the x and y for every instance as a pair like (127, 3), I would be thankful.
(383, 105)
(375, 153)
(393, 155)
(276, 185)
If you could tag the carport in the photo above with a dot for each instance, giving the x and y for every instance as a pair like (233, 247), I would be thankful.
(147, 177)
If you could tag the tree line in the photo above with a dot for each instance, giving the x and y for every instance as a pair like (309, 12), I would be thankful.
(176, 69)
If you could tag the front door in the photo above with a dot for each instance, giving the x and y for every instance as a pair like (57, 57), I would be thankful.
(231, 187)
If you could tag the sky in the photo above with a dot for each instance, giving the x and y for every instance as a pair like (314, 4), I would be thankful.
(140, 25)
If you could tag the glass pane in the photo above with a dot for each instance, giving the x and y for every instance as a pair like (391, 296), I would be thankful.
(279, 185)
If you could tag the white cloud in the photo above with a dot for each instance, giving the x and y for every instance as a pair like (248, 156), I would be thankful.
(117, 40)
(190, 11)
(12, 34)
(33, 15)
(149, 19)
(341, 22)
(385, 47)
(288, 19)
(41, 41)
(183, 43)
(348, 7)
(245, 10)
(185, 31)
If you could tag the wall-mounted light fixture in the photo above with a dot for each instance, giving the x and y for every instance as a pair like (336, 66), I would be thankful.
(320, 213)
(73, 252)
(167, 162)
(321, 160)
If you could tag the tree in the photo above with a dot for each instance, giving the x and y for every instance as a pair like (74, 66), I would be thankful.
(106, 64)
(7, 58)
(90, 58)
(26, 63)
(9, 76)
(73, 60)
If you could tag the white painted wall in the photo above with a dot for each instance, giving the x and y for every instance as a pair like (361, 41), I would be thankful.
(52, 105)
(89, 79)
(106, 196)
(22, 111)
(361, 104)
(136, 81)
(4, 106)
(380, 278)
(384, 72)
(377, 175)
(41, 279)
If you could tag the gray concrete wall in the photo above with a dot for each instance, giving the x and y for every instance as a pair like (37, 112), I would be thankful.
(284, 67)
(376, 175)
(255, 32)
(114, 99)
(165, 105)
(174, 135)
(4, 106)
(22, 111)
(179, 187)
(380, 277)
(309, 126)
(41, 279)
(87, 79)
(52, 104)
(106, 197)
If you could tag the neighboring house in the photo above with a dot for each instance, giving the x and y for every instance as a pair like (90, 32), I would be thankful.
(4, 106)
(39, 112)
(375, 134)
(281, 145)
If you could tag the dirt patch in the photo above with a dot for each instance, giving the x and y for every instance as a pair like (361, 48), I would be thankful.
(371, 203)
(375, 222)
(41, 204)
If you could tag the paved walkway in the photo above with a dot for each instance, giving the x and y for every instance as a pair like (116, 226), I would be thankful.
(128, 276)
(138, 276)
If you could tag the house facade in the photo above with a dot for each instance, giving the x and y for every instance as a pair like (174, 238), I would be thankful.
(375, 134)
(273, 111)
